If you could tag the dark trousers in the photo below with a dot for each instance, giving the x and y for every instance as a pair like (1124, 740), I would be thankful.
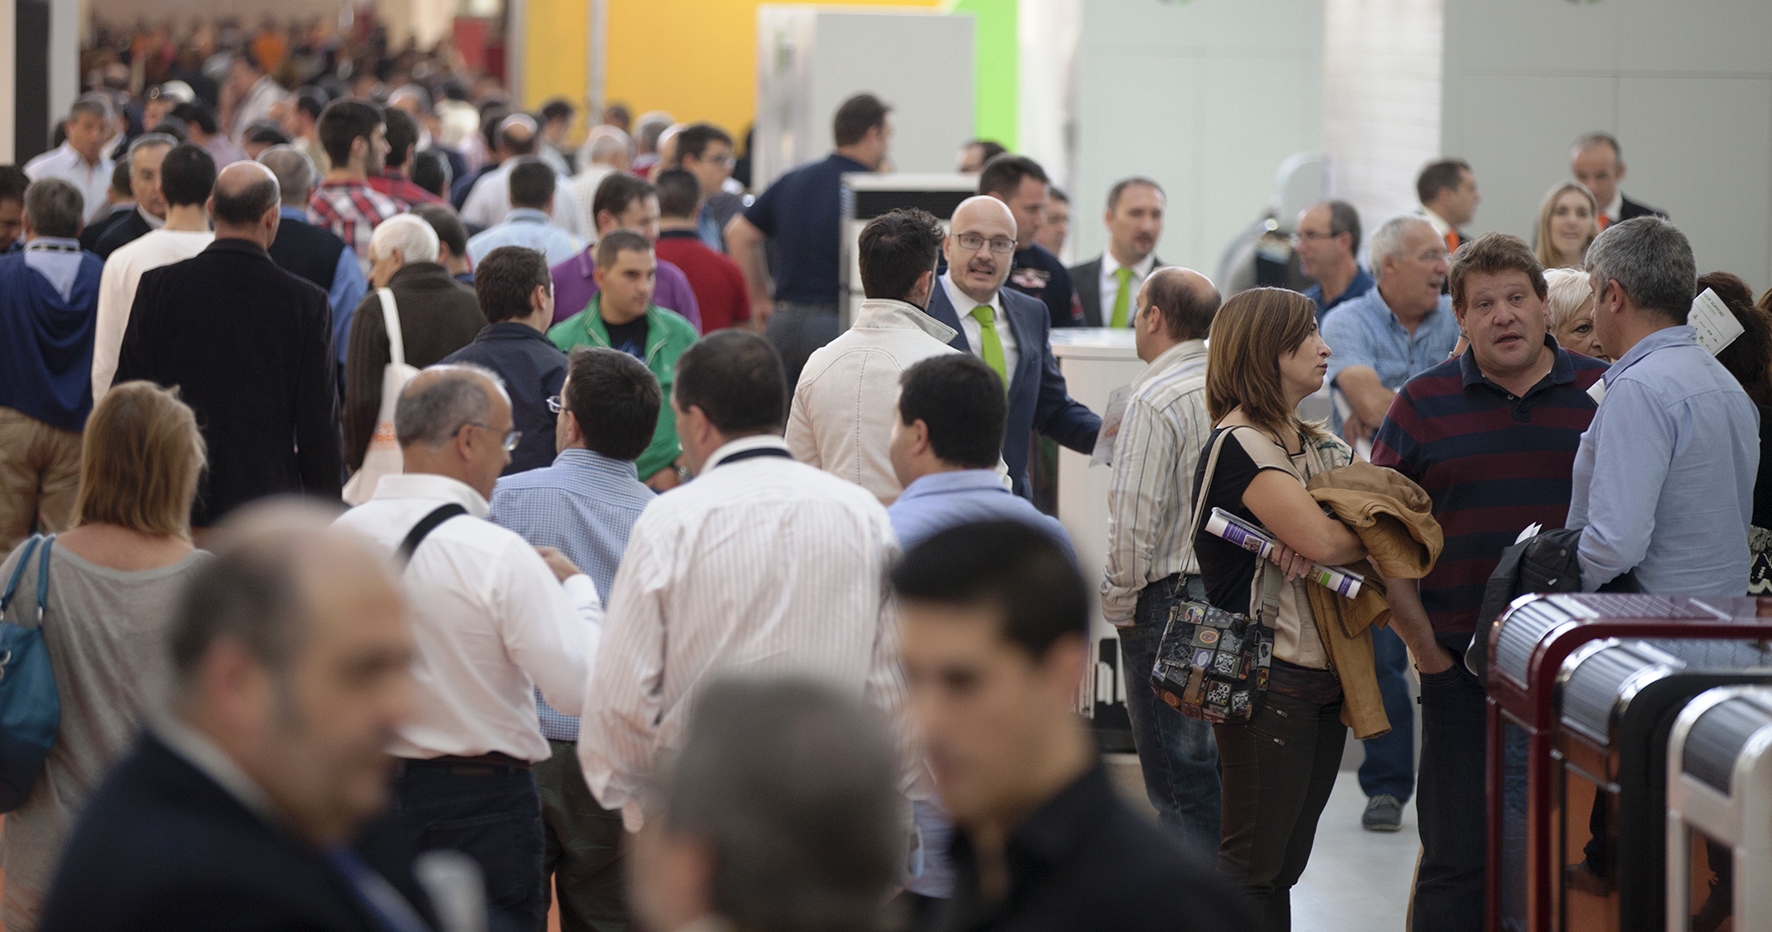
(490, 812)
(584, 846)
(1451, 811)
(1177, 754)
(1389, 767)
(797, 330)
(1278, 772)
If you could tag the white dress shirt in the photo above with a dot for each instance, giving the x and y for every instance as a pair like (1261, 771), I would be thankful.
(847, 399)
(489, 203)
(1615, 209)
(116, 292)
(760, 566)
(969, 325)
(1110, 285)
(1150, 496)
(489, 620)
(94, 181)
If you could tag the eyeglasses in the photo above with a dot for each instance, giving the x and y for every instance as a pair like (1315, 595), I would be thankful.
(510, 439)
(1001, 245)
(556, 403)
(1311, 236)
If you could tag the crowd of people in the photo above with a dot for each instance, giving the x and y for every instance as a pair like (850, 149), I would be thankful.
(661, 600)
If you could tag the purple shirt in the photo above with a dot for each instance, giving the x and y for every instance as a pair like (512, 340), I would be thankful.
(574, 287)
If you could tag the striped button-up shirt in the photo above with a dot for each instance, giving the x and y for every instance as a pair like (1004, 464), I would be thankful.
(352, 210)
(1150, 506)
(584, 505)
(759, 567)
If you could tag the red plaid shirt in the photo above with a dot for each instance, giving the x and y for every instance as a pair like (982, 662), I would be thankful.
(352, 210)
(396, 185)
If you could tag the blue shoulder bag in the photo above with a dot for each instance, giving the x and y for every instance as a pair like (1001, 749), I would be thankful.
(30, 707)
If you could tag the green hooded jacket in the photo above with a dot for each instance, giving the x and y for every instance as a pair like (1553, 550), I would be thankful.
(668, 334)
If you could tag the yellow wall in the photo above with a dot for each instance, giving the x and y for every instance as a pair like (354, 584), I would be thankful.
(557, 51)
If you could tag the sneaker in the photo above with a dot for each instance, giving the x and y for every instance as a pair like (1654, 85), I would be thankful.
(1384, 813)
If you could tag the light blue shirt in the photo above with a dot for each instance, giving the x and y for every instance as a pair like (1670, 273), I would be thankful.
(56, 259)
(529, 227)
(943, 500)
(585, 505)
(1363, 331)
(347, 291)
(1664, 477)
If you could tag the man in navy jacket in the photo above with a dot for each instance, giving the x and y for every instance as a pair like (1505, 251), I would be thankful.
(1009, 332)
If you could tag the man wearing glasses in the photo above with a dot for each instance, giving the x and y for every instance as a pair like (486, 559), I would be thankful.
(1009, 331)
(516, 295)
(1327, 240)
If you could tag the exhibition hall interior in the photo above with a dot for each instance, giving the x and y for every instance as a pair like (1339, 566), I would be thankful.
(886, 466)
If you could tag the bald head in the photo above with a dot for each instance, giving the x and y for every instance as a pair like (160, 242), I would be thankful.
(453, 420)
(1185, 299)
(980, 211)
(980, 246)
(516, 135)
(244, 203)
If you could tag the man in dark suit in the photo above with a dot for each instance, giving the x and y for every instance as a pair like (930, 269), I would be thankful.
(1009, 331)
(312, 252)
(1597, 162)
(1108, 284)
(291, 659)
(145, 155)
(250, 347)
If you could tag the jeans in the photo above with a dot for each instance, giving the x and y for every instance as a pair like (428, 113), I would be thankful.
(1278, 772)
(1389, 767)
(490, 812)
(797, 330)
(1451, 812)
(584, 846)
(1177, 754)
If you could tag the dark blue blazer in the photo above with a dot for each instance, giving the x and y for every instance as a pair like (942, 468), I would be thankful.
(162, 846)
(1038, 399)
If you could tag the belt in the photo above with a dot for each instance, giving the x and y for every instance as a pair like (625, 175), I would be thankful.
(493, 759)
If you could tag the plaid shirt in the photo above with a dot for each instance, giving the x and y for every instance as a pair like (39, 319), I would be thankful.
(352, 210)
(401, 189)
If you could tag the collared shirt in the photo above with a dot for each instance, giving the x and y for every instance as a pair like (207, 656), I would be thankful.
(969, 325)
(93, 180)
(584, 505)
(800, 213)
(347, 291)
(1361, 283)
(939, 501)
(1613, 210)
(1439, 224)
(1365, 332)
(1492, 462)
(584, 193)
(761, 565)
(490, 622)
(1110, 285)
(575, 285)
(533, 370)
(489, 203)
(395, 184)
(526, 227)
(847, 399)
(116, 292)
(1150, 496)
(351, 210)
(1664, 479)
(56, 259)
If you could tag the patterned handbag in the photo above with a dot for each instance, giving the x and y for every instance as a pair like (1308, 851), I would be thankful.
(1212, 664)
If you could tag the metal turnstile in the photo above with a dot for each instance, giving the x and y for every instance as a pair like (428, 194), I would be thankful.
(1719, 809)
(1528, 648)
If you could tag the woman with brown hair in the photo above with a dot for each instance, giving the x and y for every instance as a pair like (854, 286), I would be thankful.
(113, 578)
(1264, 357)
(1567, 224)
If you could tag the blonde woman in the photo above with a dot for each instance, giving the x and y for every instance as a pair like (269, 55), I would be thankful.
(113, 578)
(1265, 356)
(1569, 303)
(1567, 224)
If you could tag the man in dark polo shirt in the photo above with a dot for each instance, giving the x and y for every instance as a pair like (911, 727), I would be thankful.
(1021, 183)
(995, 639)
(1491, 436)
(799, 216)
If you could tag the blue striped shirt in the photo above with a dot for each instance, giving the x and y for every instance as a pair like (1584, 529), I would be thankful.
(584, 505)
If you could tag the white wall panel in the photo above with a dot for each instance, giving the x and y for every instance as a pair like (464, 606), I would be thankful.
(1518, 152)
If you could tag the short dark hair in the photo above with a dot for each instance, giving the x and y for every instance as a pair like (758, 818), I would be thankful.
(1749, 356)
(402, 134)
(187, 176)
(736, 379)
(532, 184)
(13, 182)
(1590, 140)
(615, 400)
(1056, 193)
(443, 219)
(856, 116)
(504, 280)
(556, 108)
(990, 147)
(616, 242)
(54, 207)
(247, 594)
(695, 138)
(1440, 176)
(198, 115)
(342, 123)
(1002, 176)
(1345, 218)
(896, 248)
(1187, 315)
(266, 133)
(1120, 187)
(679, 193)
(430, 170)
(120, 185)
(618, 190)
(311, 101)
(1492, 254)
(961, 401)
(1007, 565)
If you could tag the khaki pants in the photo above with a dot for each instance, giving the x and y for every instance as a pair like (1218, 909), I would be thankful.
(39, 474)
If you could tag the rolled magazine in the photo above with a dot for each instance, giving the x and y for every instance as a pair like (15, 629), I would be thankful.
(1339, 579)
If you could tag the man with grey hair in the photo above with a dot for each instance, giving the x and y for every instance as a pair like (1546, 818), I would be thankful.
(606, 151)
(1664, 477)
(493, 619)
(314, 253)
(779, 812)
(1327, 241)
(146, 154)
(81, 160)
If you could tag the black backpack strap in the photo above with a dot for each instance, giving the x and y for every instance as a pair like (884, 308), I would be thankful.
(423, 529)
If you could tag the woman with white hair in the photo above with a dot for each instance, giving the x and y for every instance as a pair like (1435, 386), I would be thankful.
(1570, 301)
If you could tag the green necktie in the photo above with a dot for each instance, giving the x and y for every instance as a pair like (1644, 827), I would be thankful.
(990, 346)
(1122, 298)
